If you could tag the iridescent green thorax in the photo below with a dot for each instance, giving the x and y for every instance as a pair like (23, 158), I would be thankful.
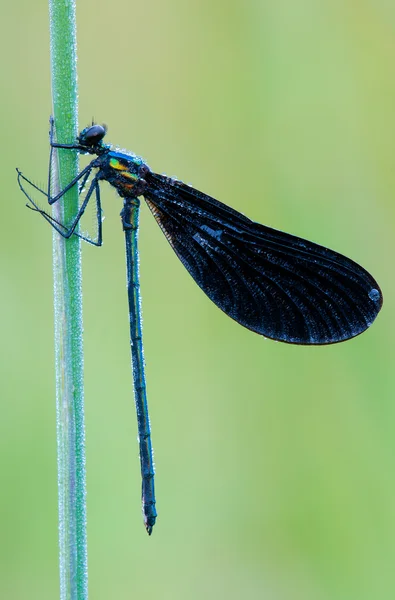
(125, 172)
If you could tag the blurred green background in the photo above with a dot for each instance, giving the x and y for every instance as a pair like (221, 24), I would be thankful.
(275, 464)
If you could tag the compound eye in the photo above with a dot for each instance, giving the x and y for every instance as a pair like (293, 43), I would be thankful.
(92, 135)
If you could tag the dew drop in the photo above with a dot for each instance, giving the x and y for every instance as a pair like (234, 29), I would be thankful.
(374, 295)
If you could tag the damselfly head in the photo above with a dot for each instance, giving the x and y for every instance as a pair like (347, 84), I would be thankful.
(90, 137)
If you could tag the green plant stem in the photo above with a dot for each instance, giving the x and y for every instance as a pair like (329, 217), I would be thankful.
(68, 313)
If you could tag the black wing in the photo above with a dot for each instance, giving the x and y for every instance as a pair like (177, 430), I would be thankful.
(273, 283)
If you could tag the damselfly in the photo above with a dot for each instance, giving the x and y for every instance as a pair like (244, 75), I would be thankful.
(281, 286)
